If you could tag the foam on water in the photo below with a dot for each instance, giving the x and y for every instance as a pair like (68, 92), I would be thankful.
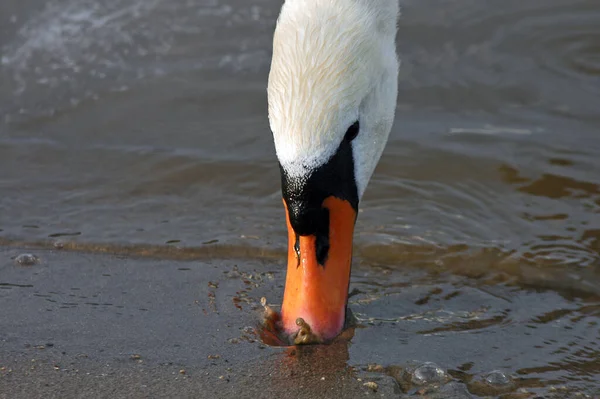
(78, 50)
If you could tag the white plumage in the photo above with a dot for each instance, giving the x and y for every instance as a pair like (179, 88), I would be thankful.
(334, 62)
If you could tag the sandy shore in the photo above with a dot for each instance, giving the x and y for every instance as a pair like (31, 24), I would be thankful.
(79, 325)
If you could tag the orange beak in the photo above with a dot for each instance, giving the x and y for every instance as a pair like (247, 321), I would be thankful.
(318, 293)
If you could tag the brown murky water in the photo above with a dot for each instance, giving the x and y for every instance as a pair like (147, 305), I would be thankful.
(139, 128)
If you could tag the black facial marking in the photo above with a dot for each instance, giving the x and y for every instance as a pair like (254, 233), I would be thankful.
(322, 243)
(297, 249)
(352, 131)
(304, 196)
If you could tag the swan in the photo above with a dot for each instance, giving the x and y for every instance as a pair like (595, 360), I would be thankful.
(332, 90)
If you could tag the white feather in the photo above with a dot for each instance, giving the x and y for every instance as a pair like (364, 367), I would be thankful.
(334, 62)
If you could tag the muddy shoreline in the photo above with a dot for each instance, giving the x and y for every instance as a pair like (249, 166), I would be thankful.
(79, 323)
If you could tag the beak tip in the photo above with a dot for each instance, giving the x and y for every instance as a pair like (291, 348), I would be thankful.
(311, 329)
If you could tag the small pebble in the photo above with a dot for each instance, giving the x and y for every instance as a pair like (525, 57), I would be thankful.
(375, 368)
(26, 259)
(182, 371)
(428, 373)
(372, 386)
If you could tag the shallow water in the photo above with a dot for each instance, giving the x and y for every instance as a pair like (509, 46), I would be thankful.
(139, 128)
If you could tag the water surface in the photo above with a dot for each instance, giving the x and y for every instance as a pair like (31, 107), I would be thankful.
(139, 128)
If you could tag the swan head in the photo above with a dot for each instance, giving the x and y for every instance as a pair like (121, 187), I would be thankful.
(332, 95)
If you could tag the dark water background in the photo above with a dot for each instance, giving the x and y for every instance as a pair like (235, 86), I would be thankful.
(139, 127)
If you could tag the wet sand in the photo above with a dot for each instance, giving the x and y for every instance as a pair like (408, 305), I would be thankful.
(85, 325)
(79, 324)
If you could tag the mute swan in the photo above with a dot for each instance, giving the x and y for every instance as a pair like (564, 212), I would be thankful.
(332, 96)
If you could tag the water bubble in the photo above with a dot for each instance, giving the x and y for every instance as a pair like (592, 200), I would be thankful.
(26, 259)
(498, 378)
(493, 383)
(428, 373)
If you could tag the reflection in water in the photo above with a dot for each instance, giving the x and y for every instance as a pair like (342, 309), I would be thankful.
(553, 186)
(571, 237)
